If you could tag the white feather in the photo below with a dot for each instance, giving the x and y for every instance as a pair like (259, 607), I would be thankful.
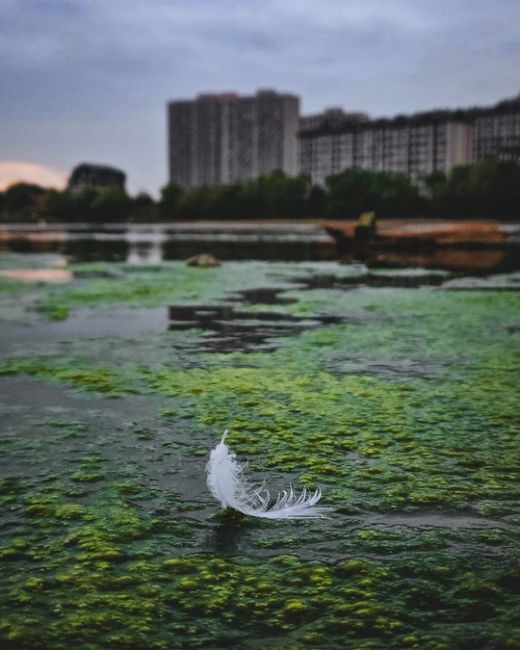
(229, 486)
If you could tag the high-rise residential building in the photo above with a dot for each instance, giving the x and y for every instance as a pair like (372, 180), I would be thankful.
(497, 130)
(217, 139)
(415, 145)
(224, 138)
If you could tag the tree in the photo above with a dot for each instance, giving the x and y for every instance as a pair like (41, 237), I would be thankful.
(110, 204)
(434, 184)
(316, 203)
(23, 199)
(284, 197)
(388, 194)
(488, 188)
(58, 206)
(143, 200)
(171, 195)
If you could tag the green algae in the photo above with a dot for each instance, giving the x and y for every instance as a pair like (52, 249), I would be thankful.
(203, 601)
(68, 428)
(54, 312)
(404, 413)
(99, 379)
(397, 465)
(171, 283)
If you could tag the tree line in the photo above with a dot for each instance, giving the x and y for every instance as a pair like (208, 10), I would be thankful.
(489, 188)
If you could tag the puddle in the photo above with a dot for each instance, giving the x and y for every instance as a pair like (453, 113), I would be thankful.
(497, 282)
(85, 324)
(263, 296)
(390, 368)
(394, 279)
(230, 330)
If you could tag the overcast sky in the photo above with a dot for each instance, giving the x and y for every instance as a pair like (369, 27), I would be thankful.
(88, 80)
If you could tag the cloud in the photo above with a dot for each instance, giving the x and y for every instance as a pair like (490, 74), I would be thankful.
(89, 79)
(16, 172)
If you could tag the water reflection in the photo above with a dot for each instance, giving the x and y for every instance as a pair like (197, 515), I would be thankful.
(450, 259)
(225, 537)
(228, 328)
(96, 250)
(247, 248)
(150, 245)
(54, 276)
(144, 252)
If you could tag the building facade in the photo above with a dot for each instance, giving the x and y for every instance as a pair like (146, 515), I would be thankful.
(415, 145)
(497, 130)
(218, 139)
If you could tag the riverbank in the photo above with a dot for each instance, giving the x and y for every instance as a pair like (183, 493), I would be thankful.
(253, 225)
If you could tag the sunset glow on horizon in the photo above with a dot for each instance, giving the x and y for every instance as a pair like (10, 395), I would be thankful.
(12, 172)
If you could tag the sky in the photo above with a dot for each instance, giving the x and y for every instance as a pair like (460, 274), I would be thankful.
(88, 80)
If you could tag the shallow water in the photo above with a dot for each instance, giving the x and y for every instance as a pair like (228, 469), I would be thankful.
(145, 244)
(152, 243)
(394, 391)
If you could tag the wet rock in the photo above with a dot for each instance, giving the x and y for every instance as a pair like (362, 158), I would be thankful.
(203, 260)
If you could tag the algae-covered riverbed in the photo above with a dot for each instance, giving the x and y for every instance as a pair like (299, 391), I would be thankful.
(395, 392)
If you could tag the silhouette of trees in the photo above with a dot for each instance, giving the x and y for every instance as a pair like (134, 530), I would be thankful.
(275, 195)
(388, 194)
(22, 200)
(170, 197)
(489, 188)
(110, 204)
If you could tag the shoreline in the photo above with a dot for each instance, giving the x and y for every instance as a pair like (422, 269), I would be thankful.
(249, 224)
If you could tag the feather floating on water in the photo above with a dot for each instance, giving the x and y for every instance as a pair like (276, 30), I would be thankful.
(229, 486)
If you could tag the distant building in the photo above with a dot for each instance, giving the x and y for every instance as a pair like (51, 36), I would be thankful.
(217, 139)
(415, 145)
(331, 119)
(497, 130)
(90, 176)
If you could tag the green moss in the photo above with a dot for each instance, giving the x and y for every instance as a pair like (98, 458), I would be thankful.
(72, 511)
(55, 312)
(100, 379)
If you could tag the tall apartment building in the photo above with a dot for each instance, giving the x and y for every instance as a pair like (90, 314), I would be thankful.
(415, 145)
(497, 130)
(224, 138)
